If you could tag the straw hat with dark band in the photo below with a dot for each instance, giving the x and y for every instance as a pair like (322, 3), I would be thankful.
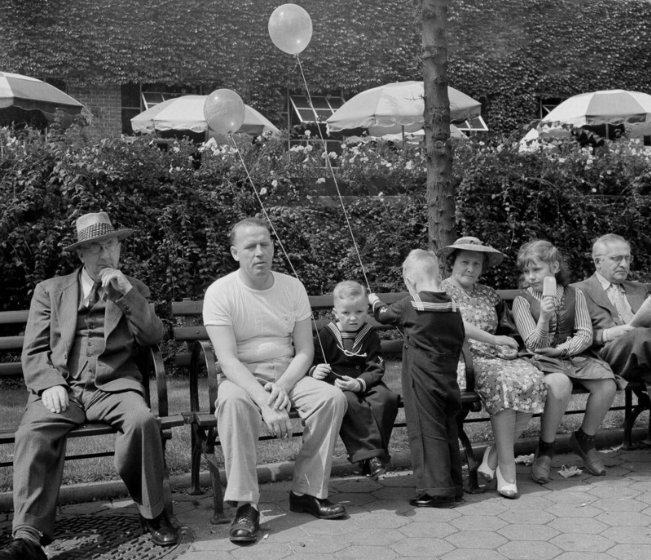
(493, 256)
(93, 228)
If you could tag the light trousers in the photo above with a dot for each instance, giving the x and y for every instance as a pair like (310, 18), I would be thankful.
(321, 407)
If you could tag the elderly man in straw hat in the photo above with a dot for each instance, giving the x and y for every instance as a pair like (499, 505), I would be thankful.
(78, 367)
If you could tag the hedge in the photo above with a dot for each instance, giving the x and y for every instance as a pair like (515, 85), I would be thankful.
(182, 202)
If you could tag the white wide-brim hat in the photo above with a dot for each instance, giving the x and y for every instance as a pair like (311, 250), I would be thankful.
(96, 227)
(493, 256)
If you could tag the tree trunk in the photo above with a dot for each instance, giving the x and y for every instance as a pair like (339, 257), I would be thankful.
(440, 188)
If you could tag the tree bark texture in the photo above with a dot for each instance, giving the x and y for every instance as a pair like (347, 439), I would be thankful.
(440, 187)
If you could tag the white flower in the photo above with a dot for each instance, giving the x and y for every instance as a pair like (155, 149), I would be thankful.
(263, 190)
(333, 155)
(409, 165)
(308, 148)
(176, 149)
(320, 180)
(307, 134)
(274, 183)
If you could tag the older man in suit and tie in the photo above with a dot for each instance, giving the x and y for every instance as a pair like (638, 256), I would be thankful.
(612, 301)
(78, 367)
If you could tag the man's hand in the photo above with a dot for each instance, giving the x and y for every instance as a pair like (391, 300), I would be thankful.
(346, 383)
(277, 421)
(321, 371)
(549, 352)
(115, 283)
(616, 332)
(55, 399)
(372, 298)
(278, 398)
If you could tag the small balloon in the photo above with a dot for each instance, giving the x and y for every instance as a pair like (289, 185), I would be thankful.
(290, 28)
(224, 111)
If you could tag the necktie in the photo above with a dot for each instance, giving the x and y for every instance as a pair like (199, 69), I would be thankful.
(617, 298)
(93, 297)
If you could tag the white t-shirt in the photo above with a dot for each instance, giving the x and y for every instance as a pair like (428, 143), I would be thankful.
(262, 320)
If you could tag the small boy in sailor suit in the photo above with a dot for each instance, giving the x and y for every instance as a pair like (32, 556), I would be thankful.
(434, 334)
(348, 355)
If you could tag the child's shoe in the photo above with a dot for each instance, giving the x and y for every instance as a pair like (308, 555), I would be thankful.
(373, 467)
(434, 501)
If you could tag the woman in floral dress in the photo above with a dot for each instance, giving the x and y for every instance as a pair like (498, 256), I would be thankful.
(512, 390)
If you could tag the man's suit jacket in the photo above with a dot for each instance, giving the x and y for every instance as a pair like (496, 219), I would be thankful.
(602, 312)
(50, 333)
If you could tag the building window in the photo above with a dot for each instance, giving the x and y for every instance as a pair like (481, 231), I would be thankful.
(301, 118)
(475, 124)
(547, 103)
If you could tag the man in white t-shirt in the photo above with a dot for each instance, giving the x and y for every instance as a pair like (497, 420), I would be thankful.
(259, 323)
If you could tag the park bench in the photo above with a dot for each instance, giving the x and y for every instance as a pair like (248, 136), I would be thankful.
(151, 367)
(198, 356)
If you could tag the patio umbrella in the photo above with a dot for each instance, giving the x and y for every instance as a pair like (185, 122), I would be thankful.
(605, 109)
(31, 94)
(186, 113)
(393, 107)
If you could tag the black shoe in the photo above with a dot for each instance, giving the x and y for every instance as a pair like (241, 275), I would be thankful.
(373, 467)
(323, 509)
(591, 459)
(22, 549)
(245, 525)
(434, 501)
(163, 533)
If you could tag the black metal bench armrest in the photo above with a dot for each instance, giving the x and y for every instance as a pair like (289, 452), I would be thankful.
(203, 355)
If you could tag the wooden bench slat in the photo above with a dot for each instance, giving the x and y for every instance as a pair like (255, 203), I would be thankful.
(14, 317)
(11, 370)
(9, 343)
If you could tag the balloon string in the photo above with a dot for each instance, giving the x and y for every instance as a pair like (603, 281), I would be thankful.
(334, 178)
(273, 229)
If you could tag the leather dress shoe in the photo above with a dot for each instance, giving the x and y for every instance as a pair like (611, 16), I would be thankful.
(321, 508)
(541, 467)
(245, 525)
(434, 501)
(373, 467)
(163, 533)
(591, 458)
(22, 549)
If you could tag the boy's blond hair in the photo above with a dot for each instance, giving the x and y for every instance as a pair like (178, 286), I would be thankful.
(348, 289)
(423, 264)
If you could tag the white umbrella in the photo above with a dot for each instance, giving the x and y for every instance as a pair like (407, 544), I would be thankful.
(186, 113)
(608, 107)
(389, 108)
(31, 94)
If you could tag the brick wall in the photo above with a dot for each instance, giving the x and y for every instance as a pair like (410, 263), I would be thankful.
(105, 106)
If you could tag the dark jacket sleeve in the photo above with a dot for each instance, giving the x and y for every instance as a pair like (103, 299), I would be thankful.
(389, 314)
(144, 325)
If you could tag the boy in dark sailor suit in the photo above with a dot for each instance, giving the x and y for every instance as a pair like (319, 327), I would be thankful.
(434, 334)
(348, 355)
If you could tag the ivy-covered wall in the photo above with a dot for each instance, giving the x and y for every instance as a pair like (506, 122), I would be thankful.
(502, 52)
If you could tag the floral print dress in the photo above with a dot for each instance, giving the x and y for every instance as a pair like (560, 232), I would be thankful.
(501, 384)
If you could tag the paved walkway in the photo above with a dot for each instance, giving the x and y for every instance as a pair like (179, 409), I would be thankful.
(582, 517)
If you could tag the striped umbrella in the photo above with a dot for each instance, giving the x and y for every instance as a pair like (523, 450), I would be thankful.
(609, 107)
(31, 94)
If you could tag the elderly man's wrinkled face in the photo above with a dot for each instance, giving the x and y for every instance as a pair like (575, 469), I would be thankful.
(96, 256)
(254, 250)
(613, 261)
(467, 268)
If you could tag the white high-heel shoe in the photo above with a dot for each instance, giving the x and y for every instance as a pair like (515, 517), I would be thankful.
(507, 489)
(484, 469)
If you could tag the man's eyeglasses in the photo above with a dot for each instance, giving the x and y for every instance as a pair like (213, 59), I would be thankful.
(96, 248)
(618, 258)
